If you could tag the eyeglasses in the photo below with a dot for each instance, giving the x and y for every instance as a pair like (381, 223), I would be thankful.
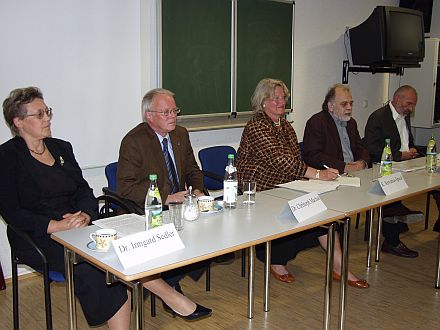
(345, 103)
(168, 112)
(278, 99)
(40, 114)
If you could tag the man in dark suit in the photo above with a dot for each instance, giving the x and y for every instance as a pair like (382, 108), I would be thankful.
(392, 122)
(161, 147)
(331, 136)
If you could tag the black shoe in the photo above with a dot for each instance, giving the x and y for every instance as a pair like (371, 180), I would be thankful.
(199, 312)
(437, 226)
(401, 250)
(227, 258)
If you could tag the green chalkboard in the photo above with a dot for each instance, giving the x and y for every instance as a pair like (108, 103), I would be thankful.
(264, 45)
(196, 50)
(196, 54)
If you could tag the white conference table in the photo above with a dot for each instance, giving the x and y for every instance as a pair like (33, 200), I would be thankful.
(209, 236)
(352, 200)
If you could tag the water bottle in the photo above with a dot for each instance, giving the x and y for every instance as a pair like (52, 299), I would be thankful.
(230, 184)
(386, 162)
(153, 205)
(431, 155)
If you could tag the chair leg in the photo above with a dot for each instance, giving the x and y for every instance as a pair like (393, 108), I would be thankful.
(153, 304)
(208, 278)
(47, 299)
(428, 204)
(357, 220)
(243, 263)
(15, 292)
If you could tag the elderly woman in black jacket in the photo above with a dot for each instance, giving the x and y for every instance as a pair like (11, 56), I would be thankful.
(42, 191)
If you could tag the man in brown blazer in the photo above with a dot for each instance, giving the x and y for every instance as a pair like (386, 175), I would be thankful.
(143, 151)
(331, 137)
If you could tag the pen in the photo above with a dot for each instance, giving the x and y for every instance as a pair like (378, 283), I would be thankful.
(326, 167)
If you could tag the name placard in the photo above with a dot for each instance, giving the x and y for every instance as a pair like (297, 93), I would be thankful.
(303, 207)
(393, 183)
(147, 245)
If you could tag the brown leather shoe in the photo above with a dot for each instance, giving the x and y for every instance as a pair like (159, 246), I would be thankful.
(401, 250)
(287, 278)
(360, 284)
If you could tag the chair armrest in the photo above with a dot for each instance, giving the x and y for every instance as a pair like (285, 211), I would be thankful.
(25, 237)
(213, 176)
(126, 204)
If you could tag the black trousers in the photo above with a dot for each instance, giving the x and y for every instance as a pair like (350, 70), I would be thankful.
(391, 231)
(286, 248)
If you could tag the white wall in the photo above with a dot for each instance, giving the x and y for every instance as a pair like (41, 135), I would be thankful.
(319, 52)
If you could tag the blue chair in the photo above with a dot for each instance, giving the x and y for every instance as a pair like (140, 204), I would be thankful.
(110, 173)
(48, 276)
(214, 161)
(129, 206)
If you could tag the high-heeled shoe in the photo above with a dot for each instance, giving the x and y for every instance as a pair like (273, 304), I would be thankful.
(360, 284)
(286, 278)
(198, 313)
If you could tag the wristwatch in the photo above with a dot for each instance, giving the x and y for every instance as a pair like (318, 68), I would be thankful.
(317, 174)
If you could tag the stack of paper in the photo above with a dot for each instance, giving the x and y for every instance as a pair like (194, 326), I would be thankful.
(345, 180)
(125, 224)
(309, 186)
(320, 186)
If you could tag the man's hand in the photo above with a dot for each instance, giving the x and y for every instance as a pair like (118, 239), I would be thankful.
(355, 166)
(410, 154)
(177, 197)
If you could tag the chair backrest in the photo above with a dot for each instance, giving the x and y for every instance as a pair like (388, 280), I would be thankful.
(301, 149)
(110, 174)
(214, 160)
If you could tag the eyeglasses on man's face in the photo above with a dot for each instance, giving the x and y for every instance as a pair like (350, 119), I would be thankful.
(168, 112)
(40, 113)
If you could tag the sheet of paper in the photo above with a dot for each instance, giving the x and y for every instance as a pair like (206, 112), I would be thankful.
(309, 186)
(408, 166)
(125, 224)
(353, 181)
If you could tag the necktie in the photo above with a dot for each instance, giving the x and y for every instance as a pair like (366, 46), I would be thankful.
(171, 171)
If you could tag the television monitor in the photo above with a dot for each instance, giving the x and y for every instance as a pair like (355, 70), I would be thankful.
(390, 37)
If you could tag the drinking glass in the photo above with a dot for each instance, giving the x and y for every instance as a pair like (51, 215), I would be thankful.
(249, 190)
(176, 214)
